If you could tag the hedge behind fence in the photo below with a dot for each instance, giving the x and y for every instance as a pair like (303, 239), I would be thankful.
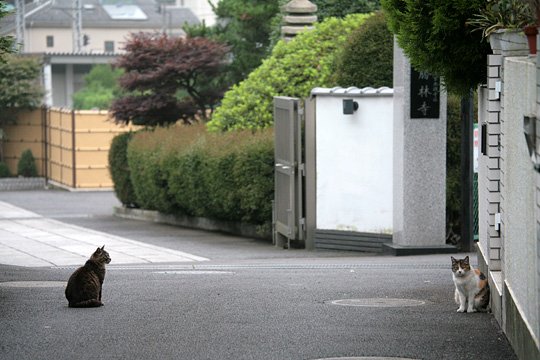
(185, 170)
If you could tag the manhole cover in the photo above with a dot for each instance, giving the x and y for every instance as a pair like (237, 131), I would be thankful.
(378, 302)
(33, 284)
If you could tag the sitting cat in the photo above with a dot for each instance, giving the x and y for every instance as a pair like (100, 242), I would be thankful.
(84, 286)
(472, 288)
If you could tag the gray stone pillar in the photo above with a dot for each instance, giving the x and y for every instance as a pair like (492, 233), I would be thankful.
(419, 184)
(299, 15)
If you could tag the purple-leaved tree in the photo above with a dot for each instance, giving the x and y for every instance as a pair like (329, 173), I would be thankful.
(168, 78)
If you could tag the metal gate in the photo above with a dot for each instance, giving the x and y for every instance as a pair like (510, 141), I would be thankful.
(289, 222)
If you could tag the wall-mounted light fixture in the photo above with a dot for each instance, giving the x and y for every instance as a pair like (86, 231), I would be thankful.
(349, 106)
(529, 129)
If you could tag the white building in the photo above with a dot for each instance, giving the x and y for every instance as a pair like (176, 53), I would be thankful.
(74, 38)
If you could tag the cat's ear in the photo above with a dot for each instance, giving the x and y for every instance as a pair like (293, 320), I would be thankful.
(102, 247)
(466, 260)
(453, 260)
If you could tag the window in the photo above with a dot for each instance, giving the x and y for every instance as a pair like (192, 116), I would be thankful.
(50, 41)
(109, 46)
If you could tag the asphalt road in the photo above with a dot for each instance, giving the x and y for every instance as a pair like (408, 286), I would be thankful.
(249, 301)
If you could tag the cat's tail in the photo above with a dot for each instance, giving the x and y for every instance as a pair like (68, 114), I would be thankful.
(86, 303)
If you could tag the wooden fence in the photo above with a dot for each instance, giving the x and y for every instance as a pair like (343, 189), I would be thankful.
(71, 147)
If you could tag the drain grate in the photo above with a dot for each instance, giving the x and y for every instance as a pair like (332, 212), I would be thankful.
(378, 302)
(33, 284)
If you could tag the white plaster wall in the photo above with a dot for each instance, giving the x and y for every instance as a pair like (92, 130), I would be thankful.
(354, 164)
(518, 190)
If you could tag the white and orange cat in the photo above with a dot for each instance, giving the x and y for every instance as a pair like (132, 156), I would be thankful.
(472, 288)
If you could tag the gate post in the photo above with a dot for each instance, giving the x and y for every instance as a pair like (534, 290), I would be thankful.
(419, 162)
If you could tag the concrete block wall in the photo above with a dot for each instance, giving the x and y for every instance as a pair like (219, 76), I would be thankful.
(493, 160)
(510, 190)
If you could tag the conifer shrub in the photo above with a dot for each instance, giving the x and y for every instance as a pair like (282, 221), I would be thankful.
(367, 56)
(119, 170)
(293, 69)
(4, 170)
(26, 166)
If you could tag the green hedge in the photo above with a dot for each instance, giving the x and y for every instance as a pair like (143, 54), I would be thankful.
(293, 69)
(119, 170)
(185, 170)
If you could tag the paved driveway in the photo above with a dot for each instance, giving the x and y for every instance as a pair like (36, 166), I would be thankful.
(173, 293)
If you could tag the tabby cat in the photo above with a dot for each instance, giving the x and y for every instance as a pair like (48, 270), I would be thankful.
(84, 286)
(472, 288)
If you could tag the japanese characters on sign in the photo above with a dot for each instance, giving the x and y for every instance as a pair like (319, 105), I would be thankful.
(425, 95)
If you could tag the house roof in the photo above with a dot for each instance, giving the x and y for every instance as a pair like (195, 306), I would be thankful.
(57, 14)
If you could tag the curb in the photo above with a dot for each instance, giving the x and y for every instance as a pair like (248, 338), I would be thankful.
(22, 183)
(200, 223)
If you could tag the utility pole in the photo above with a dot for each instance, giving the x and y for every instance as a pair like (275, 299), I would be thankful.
(77, 26)
(20, 23)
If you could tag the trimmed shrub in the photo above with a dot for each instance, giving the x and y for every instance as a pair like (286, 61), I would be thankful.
(27, 164)
(186, 182)
(149, 181)
(186, 170)
(4, 170)
(254, 176)
(367, 57)
(119, 170)
(293, 69)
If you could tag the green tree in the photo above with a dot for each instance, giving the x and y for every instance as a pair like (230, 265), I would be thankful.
(342, 8)
(6, 42)
(101, 87)
(435, 37)
(168, 78)
(20, 89)
(247, 27)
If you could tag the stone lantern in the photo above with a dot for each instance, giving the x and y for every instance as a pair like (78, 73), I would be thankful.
(299, 15)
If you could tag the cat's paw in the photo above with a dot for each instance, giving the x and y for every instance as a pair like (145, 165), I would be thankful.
(471, 310)
(460, 310)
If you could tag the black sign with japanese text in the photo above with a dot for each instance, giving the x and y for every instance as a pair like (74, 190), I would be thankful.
(425, 95)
